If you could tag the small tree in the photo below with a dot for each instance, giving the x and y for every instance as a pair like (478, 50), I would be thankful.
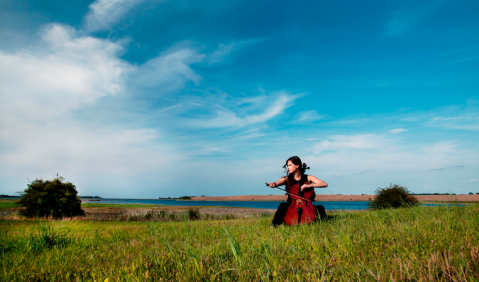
(393, 197)
(52, 197)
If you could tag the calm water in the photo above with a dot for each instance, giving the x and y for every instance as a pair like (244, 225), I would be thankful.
(346, 205)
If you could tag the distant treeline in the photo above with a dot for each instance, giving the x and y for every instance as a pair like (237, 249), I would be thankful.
(179, 198)
(8, 196)
(470, 193)
(90, 197)
(424, 194)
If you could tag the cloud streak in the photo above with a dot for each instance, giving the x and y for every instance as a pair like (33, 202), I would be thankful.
(403, 19)
(309, 116)
(220, 53)
(398, 130)
(169, 71)
(258, 110)
(104, 13)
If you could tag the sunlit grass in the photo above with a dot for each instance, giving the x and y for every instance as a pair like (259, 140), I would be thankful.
(7, 204)
(423, 243)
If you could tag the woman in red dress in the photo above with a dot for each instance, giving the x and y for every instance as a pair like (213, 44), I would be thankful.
(295, 174)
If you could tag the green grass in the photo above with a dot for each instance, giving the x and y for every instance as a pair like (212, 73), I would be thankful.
(7, 204)
(417, 244)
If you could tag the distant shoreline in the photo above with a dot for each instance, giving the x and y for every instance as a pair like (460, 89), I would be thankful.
(342, 198)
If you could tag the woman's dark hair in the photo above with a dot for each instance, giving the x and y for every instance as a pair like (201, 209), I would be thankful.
(290, 177)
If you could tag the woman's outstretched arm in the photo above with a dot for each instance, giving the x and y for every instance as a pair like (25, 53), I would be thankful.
(315, 183)
(280, 182)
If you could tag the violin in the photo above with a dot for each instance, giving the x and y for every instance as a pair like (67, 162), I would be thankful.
(300, 209)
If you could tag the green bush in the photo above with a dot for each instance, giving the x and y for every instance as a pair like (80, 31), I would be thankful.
(55, 198)
(393, 197)
(193, 213)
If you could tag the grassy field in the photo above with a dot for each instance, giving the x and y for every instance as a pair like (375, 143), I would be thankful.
(417, 244)
(7, 204)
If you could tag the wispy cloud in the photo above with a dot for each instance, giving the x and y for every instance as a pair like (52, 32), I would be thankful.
(104, 13)
(169, 71)
(398, 130)
(472, 180)
(467, 119)
(405, 18)
(409, 119)
(345, 142)
(222, 51)
(450, 118)
(309, 116)
(245, 112)
(344, 156)
(461, 50)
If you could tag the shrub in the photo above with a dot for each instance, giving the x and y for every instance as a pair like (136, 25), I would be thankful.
(193, 213)
(55, 198)
(393, 197)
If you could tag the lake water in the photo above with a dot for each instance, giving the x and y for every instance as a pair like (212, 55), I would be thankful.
(331, 205)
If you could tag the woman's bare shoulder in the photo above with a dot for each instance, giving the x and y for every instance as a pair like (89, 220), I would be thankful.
(312, 177)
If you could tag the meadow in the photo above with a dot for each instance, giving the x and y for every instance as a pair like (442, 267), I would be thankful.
(416, 244)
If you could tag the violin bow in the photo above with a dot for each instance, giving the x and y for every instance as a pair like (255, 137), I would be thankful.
(311, 201)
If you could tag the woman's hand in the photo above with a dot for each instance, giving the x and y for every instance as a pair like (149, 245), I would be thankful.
(278, 183)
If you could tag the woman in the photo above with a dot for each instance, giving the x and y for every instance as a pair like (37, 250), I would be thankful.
(295, 174)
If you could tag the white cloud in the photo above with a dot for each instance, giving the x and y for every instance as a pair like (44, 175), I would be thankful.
(222, 116)
(449, 118)
(55, 119)
(472, 180)
(104, 13)
(169, 71)
(340, 159)
(309, 116)
(349, 154)
(469, 120)
(221, 52)
(346, 143)
(73, 73)
(398, 130)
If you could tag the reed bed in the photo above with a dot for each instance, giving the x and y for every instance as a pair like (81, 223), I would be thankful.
(417, 244)
(161, 214)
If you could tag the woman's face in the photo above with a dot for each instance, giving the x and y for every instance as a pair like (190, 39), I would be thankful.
(292, 167)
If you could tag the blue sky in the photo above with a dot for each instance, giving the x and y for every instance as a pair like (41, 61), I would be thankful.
(143, 98)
